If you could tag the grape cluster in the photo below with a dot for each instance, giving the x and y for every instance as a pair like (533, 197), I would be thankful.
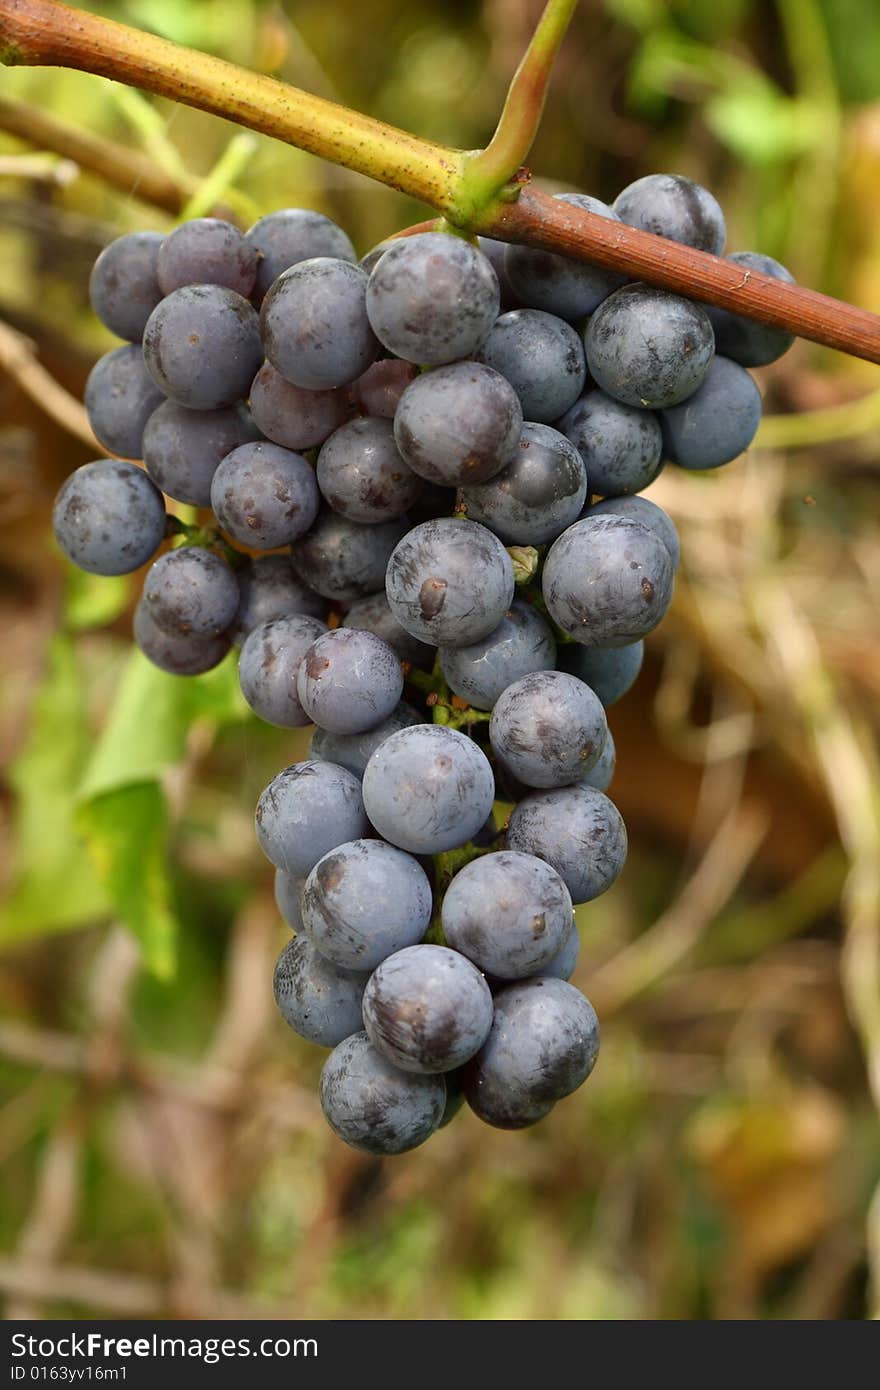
(427, 541)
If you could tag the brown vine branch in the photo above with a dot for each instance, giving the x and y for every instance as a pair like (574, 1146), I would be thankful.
(45, 32)
(126, 169)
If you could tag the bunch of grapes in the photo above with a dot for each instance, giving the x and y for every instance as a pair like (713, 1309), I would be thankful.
(427, 541)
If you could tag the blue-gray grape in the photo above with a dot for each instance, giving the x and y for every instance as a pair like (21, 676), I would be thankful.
(542, 1046)
(717, 423)
(349, 681)
(191, 591)
(563, 964)
(508, 912)
(108, 517)
(746, 342)
(522, 642)
(363, 901)
(449, 582)
(538, 494)
(314, 324)
(183, 448)
(578, 831)
(459, 424)
(124, 286)
(308, 809)
(362, 476)
(202, 346)
(649, 348)
(269, 589)
(428, 789)
(379, 390)
(264, 496)
(373, 614)
(427, 1009)
(267, 668)
(621, 446)
(355, 750)
(207, 251)
(315, 998)
(290, 235)
(609, 671)
(179, 656)
(557, 284)
(343, 559)
(646, 513)
(548, 728)
(432, 298)
(288, 898)
(374, 1106)
(293, 417)
(608, 581)
(601, 774)
(675, 207)
(495, 251)
(543, 359)
(120, 397)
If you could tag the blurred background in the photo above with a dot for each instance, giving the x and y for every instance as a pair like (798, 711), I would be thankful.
(161, 1144)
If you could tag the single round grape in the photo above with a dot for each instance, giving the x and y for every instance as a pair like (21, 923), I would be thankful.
(290, 235)
(646, 513)
(427, 1009)
(538, 494)
(202, 346)
(379, 390)
(264, 496)
(363, 901)
(179, 656)
(548, 728)
(609, 672)
(543, 359)
(649, 348)
(182, 447)
(371, 258)
(120, 397)
(428, 789)
(458, 424)
(124, 286)
(191, 591)
(449, 582)
(314, 324)
(562, 966)
(374, 1106)
(354, 751)
(542, 1046)
(608, 581)
(495, 251)
(432, 298)
(601, 774)
(507, 912)
(344, 560)
(717, 423)
(308, 809)
(744, 341)
(454, 1096)
(557, 284)
(674, 207)
(207, 251)
(373, 614)
(269, 589)
(362, 476)
(268, 666)
(522, 642)
(621, 447)
(288, 898)
(291, 416)
(108, 517)
(578, 831)
(349, 681)
(315, 998)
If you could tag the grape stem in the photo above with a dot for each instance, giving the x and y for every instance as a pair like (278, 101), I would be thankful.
(47, 32)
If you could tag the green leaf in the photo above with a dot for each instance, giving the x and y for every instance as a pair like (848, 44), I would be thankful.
(55, 887)
(127, 832)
